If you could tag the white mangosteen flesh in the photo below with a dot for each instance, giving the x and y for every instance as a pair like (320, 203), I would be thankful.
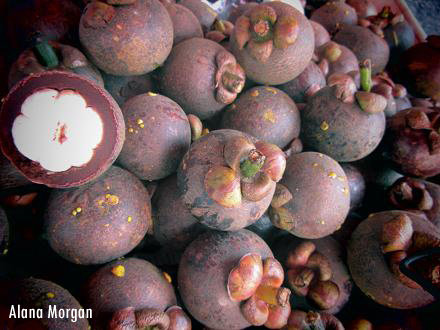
(57, 129)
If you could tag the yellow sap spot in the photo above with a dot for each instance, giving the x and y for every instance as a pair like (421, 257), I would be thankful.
(322, 222)
(324, 126)
(129, 219)
(167, 277)
(315, 164)
(111, 199)
(5, 252)
(269, 116)
(118, 271)
(107, 187)
(130, 130)
(152, 94)
(332, 175)
(139, 121)
(107, 225)
(255, 93)
(141, 126)
(74, 213)
(50, 295)
(100, 202)
(78, 209)
(345, 191)
(270, 89)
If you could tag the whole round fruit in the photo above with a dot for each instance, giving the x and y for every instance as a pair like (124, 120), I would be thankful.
(185, 23)
(333, 14)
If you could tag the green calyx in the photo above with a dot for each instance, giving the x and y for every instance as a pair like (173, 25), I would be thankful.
(46, 55)
(253, 164)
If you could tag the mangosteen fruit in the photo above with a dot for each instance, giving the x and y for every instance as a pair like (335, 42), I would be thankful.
(321, 34)
(273, 42)
(158, 135)
(302, 320)
(227, 178)
(52, 56)
(100, 221)
(266, 113)
(123, 285)
(333, 14)
(338, 58)
(230, 280)
(313, 197)
(377, 247)
(202, 77)
(126, 38)
(204, 13)
(356, 184)
(60, 129)
(364, 8)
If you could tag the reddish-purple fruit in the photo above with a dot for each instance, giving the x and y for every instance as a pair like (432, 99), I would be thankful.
(365, 44)
(236, 11)
(310, 81)
(30, 21)
(356, 184)
(227, 278)
(227, 178)
(311, 176)
(339, 58)
(316, 273)
(174, 226)
(4, 233)
(60, 129)
(300, 320)
(202, 77)
(421, 196)
(205, 14)
(69, 59)
(123, 88)
(333, 14)
(120, 41)
(35, 294)
(377, 246)
(266, 113)
(273, 42)
(131, 282)
(321, 34)
(413, 141)
(185, 23)
(158, 135)
(100, 221)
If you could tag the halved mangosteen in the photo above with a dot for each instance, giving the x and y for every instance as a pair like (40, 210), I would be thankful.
(60, 129)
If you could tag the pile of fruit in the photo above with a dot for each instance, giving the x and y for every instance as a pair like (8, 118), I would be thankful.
(217, 165)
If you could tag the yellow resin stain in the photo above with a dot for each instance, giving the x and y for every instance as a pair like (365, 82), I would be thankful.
(332, 175)
(167, 277)
(129, 219)
(269, 116)
(152, 94)
(118, 271)
(270, 89)
(50, 295)
(324, 126)
(255, 93)
(139, 121)
(111, 199)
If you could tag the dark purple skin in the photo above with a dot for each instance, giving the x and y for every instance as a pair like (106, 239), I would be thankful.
(4, 233)
(399, 37)
(70, 59)
(351, 134)
(333, 14)
(343, 234)
(123, 88)
(205, 14)
(412, 150)
(185, 23)
(157, 136)
(203, 276)
(266, 113)
(347, 61)
(365, 44)
(174, 225)
(321, 34)
(204, 153)
(142, 286)
(33, 293)
(264, 228)
(115, 215)
(356, 184)
(410, 194)
(10, 177)
(297, 88)
(334, 253)
(370, 269)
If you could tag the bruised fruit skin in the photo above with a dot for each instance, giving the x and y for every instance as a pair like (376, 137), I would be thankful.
(72, 149)
(266, 113)
(123, 88)
(321, 34)
(300, 320)
(227, 178)
(100, 221)
(185, 23)
(205, 14)
(370, 268)
(70, 59)
(273, 42)
(205, 268)
(158, 135)
(340, 59)
(412, 194)
(202, 77)
(365, 44)
(412, 143)
(120, 41)
(333, 14)
(30, 20)
(306, 84)
(4, 233)
(174, 226)
(356, 184)
(126, 283)
(35, 293)
(311, 177)
(325, 259)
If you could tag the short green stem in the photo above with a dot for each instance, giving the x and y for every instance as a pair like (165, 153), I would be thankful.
(365, 72)
(46, 55)
(253, 164)
(233, 83)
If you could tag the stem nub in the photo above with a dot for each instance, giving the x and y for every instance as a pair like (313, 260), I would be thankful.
(46, 55)
(365, 72)
(253, 164)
